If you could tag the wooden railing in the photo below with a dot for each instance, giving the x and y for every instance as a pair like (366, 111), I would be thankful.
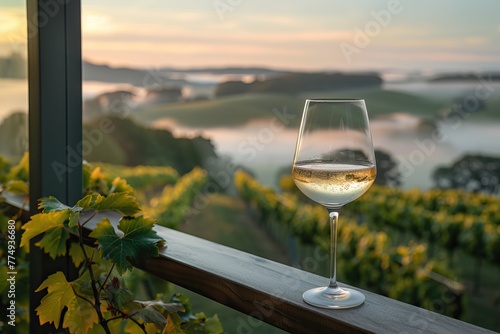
(271, 292)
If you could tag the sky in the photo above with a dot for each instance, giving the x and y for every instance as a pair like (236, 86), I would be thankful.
(286, 34)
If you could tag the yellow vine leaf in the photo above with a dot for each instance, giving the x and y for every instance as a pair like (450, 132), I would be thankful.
(17, 187)
(123, 202)
(76, 254)
(21, 170)
(54, 242)
(41, 223)
(120, 185)
(132, 328)
(173, 324)
(80, 315)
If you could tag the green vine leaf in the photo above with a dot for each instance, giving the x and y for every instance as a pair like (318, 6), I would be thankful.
(122, 202)
(139, 241)
(201, 324)
(41, 223)
(54, 242)
(213, 325)
(182, 299)
(80, 315)
(49, 204)
(197, 323)
(74, 217)
(150, 314)
(89, 201)
(117, 293)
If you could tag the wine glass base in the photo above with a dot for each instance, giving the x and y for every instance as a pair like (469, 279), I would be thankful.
(339, 298)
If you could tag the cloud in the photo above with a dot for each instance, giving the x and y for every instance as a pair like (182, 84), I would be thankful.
(12, 26)
(156, 35)
(449, 43)
(97, 24)
(176, 33)
(423, 58)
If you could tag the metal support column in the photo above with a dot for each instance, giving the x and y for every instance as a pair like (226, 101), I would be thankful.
(55, 120)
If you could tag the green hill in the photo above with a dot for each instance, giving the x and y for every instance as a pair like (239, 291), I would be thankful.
(239, 109)
(491, 110)
(131, 144)
(232, 110)
(383, 102)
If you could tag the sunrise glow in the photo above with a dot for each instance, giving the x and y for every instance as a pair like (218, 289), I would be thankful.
(314, 36)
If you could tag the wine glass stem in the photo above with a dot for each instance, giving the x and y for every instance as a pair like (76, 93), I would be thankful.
(334, 216)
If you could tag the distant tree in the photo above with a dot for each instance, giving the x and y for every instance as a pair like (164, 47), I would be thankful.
(475, 173)
(14, 134)
(464, 105)
(116, 103)
(295, 83)
(231, 87)
(470, 102)
(164, 95)
(132, 144)
(13, 66)
(387, 170)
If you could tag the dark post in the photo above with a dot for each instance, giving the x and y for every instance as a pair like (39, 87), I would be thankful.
(55, 120)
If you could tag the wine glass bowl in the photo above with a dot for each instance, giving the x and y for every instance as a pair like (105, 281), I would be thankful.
(334, 164)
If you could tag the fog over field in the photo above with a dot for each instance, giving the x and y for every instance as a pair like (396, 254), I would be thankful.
(239, 125)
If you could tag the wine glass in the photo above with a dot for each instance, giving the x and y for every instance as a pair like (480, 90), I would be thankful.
(334, 164)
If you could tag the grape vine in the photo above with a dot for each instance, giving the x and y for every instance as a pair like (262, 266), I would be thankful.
(100, 299)
(369, 260)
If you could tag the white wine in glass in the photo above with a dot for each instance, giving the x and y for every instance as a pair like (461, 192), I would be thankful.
(334, 164)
